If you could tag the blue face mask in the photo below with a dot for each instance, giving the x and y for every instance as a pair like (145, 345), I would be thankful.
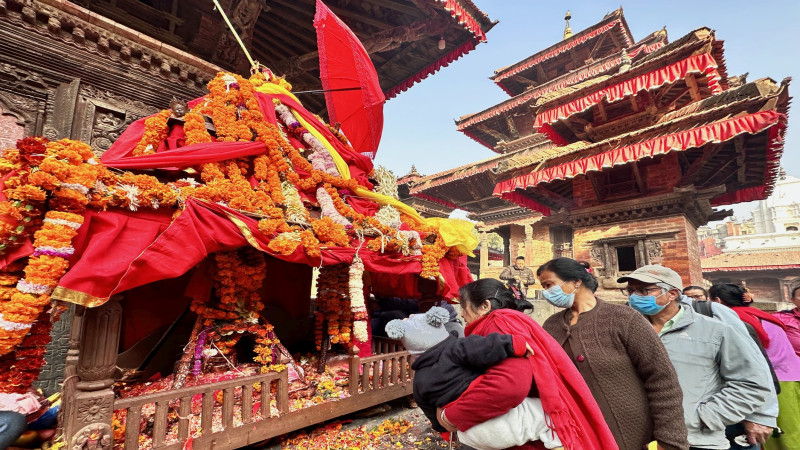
(646, 304)
(557, 297)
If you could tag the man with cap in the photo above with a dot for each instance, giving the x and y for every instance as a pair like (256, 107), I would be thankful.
(519, 272)
(723, 379)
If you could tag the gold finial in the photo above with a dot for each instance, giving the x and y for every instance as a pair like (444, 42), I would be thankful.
(567, 28)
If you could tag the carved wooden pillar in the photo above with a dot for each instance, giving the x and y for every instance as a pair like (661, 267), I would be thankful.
(484, 263)
(87, 416)
(529, 251)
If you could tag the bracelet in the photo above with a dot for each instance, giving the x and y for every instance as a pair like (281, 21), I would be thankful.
(444, 419)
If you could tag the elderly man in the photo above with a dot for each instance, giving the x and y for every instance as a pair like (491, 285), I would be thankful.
(519, 272)
(724, 378)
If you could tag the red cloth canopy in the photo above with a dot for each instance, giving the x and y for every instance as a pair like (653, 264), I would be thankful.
(343, 64)
(703, 64)
(119, 250)
(720, 131)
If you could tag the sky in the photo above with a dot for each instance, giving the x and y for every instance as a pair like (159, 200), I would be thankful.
(760, 37)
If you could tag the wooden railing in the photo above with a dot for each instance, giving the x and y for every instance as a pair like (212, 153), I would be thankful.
(379, 371)
(382, 345)
(181, 399)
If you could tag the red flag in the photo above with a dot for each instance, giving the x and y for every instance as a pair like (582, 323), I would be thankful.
(345, 64)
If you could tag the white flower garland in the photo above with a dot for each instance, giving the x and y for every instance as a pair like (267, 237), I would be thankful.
(329, 209)
(295, 211)
(355, 287)
(13, 326)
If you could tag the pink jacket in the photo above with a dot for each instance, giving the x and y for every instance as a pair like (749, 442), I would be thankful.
(791, 320)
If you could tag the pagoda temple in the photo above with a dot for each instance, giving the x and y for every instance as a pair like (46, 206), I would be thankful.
(614, 151)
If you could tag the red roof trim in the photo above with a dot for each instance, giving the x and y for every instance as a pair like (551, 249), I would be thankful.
(464, 19)
(773, 159)
(719, 131)
(456, 174)
(432, 68)
(525, 97)
(558, 50)
(438, 200)
(742, 268)
(703, 63)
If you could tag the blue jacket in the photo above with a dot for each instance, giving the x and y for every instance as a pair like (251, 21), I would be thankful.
(768, 413)
(722, 382)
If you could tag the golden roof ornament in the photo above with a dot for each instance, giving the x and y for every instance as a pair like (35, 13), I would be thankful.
(567, 28)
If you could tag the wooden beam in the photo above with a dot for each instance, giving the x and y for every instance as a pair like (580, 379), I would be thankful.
(512, 128)
(289, 30)
(597, 45)
(540, 73)
(551, 197)
(709, 180)
(634, 104)
(396, 6)
(709, 152)
(691, 82)
(675, 101)
(638, 176)
(601, 110)
(595, 184)
(741, 152)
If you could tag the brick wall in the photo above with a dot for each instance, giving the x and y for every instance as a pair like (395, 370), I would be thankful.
(10, 131)
(681, 253)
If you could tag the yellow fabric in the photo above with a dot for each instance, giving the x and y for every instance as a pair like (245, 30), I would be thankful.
(652, 446)
(455, 232)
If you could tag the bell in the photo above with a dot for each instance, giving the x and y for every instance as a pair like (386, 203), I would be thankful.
(442, 43)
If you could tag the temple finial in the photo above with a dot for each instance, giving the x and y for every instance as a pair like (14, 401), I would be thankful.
(567, 28)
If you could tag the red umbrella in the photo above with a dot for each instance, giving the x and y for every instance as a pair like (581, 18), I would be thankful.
(344, 64)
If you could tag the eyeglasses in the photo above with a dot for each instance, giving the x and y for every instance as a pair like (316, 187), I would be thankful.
(640, 291)
(697, 297)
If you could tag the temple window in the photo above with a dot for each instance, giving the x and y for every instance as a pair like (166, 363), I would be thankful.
(626, 259)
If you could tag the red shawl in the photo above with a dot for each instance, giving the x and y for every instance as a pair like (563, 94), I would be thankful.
(752, 315)
(565, 396)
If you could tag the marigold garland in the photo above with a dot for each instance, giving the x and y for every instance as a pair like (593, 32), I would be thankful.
(155, 131)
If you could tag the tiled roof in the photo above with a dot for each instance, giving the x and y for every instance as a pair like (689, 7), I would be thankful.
(751, 261)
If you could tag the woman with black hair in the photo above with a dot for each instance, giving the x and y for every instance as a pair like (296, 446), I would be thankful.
(489, 307)
(772, 334)
(619, 355)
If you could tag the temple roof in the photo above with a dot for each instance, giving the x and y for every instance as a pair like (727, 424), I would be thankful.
(494, 117)
(401, 36)
(756, 170)
(613, 24)
(742, 261)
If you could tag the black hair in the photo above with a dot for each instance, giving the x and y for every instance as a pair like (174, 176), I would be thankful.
(691, 288)
(794, 291)
(499, 296)
(569, 270)
(520, 257)
(729, 294)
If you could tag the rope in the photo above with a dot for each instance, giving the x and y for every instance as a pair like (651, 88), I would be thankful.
(253, 63)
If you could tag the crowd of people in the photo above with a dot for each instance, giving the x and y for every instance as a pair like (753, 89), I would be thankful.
(674, 368)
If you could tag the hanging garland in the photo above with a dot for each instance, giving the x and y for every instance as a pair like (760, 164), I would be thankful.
(332, 306)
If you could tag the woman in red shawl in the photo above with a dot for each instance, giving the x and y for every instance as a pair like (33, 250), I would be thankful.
(489, 307)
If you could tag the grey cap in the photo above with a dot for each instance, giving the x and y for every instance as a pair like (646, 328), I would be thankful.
(654, 273)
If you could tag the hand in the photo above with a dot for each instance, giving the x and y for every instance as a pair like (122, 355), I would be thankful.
(757, 434)
(442, 418)
(529, 350)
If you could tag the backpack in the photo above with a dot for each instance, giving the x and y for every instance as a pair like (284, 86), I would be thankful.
(704, 308)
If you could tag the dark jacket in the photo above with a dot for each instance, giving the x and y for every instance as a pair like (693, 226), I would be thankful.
(524, 275)
(445, 370)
